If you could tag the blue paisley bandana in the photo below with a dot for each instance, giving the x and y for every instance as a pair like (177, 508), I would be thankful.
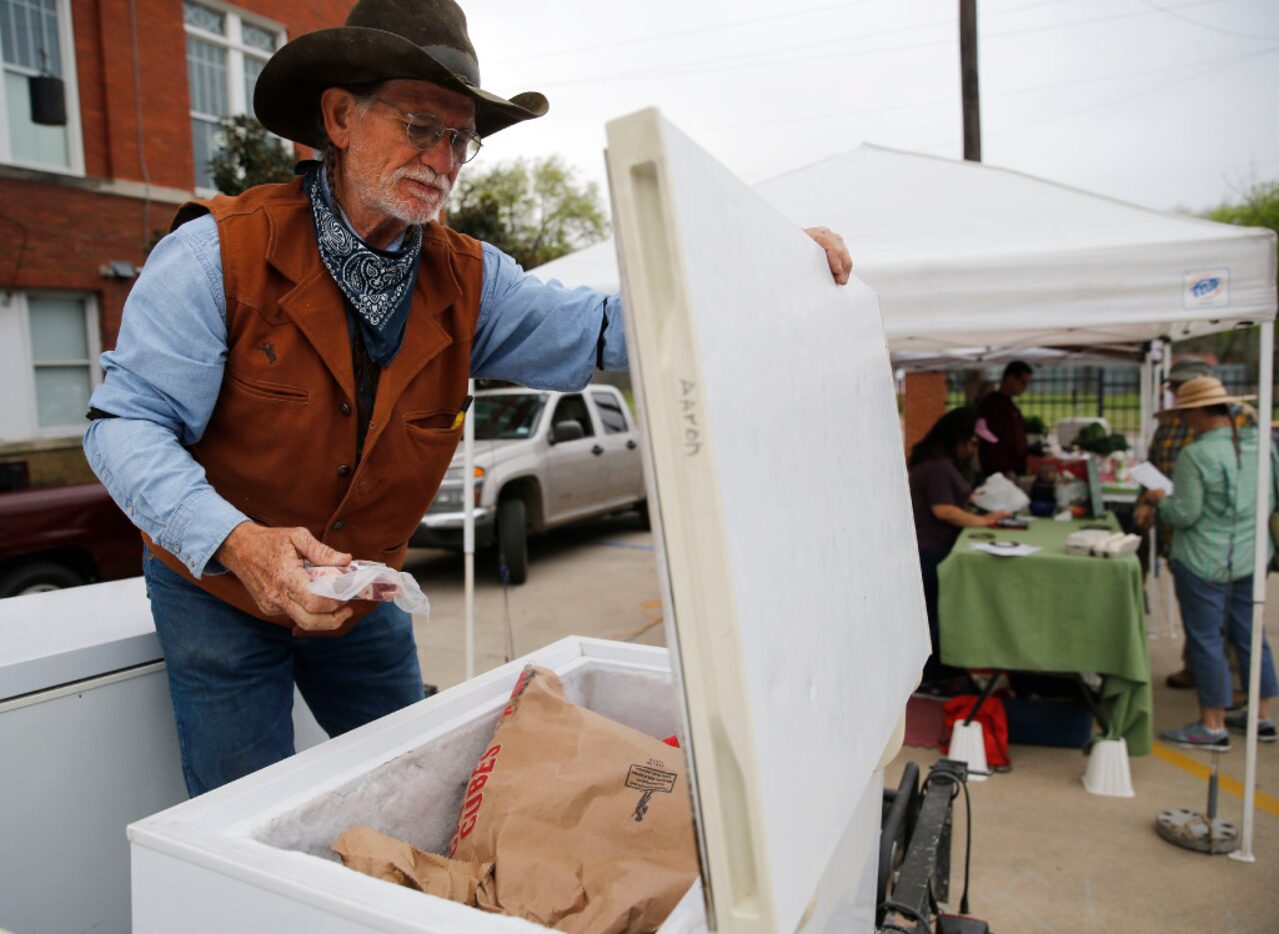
(377, 283)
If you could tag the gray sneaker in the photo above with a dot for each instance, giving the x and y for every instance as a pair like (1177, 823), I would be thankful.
(1197, 736)
(1266, 732)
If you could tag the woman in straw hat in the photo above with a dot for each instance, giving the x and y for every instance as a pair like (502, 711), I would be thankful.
(1213, 510)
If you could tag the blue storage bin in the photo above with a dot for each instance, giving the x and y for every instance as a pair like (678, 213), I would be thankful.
(1048, 722)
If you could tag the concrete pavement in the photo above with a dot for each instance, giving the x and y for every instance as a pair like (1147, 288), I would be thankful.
(1047, 856)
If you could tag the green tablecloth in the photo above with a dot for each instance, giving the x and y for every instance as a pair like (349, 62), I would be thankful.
(1052, 612)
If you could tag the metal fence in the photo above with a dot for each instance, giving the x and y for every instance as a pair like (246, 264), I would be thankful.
(1109, 392)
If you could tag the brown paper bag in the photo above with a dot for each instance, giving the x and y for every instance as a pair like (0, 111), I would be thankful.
(383, 857)
(588, 823)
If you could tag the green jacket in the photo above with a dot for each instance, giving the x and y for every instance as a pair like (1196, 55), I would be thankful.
(1213, 504)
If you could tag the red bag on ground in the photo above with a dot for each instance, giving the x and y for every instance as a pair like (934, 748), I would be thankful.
(994, 726)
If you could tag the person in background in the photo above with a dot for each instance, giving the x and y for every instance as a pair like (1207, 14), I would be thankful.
(1003, 418)
(1169, 438)
(1213, 512)
(939, 496)
(1166, 443)
(984, 388)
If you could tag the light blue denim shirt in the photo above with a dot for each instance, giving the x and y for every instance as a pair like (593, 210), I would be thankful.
(164, 375)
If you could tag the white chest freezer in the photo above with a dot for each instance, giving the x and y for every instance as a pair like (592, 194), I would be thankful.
(87, 744)
(794, 609)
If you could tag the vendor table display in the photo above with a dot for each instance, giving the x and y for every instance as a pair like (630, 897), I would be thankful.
(1052, 612)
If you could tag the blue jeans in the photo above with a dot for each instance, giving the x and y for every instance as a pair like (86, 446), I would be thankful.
(1204, 615)
(231, 677)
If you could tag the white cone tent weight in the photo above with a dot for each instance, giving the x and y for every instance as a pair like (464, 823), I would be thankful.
(967, 257)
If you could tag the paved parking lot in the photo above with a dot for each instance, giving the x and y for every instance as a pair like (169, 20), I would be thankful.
(595, 579)
(1047, 856)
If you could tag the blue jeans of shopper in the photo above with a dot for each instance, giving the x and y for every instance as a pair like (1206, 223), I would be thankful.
(231, 677)
(1204, 615)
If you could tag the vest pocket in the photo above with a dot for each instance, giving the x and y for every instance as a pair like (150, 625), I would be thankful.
(434, 421)
(393, 555)
(275, 392)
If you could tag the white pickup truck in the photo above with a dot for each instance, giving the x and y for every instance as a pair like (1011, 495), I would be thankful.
(542, 460)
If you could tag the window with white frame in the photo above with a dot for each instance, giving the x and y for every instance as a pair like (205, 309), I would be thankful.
(35, 39)
(225, 54)
(48, 363)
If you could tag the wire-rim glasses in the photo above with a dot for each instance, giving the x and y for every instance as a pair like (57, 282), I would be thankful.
(424, 133)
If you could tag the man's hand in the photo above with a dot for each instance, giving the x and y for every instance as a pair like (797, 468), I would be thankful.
(269, 564)
(993, 518)
(841, 264)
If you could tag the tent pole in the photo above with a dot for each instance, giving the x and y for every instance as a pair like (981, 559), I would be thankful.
(1147, 399)
(1265, 409)
(1151, 380)
(468, 527)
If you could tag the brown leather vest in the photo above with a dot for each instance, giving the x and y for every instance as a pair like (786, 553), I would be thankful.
(281, 443)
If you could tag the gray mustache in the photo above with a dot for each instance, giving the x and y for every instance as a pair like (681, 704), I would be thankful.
(426, 177)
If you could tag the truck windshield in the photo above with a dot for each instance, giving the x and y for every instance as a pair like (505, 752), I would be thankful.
(508, 416)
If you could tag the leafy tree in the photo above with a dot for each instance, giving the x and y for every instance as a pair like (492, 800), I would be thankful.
(534, 210)
(1260, 208)
(248, 156)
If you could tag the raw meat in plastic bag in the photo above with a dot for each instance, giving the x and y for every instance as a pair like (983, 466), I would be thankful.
(368, 580)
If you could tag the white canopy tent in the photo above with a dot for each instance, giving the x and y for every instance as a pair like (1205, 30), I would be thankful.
(965, 256)
(970, 260)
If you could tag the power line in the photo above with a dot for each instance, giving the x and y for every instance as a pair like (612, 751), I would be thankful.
(696, 30)
(753, 59)
(949, 99)
(1194, 22)
(1230, 63)
(789, 15)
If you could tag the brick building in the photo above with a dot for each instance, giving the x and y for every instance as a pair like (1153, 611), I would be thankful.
(146, 82)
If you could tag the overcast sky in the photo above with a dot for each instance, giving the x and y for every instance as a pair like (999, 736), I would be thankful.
(1166, 103)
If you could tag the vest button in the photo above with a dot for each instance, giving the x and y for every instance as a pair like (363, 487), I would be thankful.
(339, 526)
(344, 409)
(344, 470)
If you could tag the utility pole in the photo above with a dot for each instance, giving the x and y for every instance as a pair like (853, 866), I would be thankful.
(968, 79)
(972, 121)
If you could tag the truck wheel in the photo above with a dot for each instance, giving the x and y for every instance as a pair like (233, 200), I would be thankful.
(37, 578)
(512, 539)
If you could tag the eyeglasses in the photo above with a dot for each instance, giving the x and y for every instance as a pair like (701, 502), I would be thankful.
(423, 134)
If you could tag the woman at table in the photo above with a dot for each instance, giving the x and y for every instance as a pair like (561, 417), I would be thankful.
(939, 495)
(1212, 511)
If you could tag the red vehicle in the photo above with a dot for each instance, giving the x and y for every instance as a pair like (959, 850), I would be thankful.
(64, 537)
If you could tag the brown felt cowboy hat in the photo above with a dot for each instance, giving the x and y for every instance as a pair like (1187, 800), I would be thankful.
(1200, 392)
(422, 40)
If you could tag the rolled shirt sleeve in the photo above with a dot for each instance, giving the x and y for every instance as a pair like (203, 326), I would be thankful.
(161, 384)
(543, 334)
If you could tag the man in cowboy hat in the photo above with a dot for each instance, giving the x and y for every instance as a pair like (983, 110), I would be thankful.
(1213, 511)
(289, 381)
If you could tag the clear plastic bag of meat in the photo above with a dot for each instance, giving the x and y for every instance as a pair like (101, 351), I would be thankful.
(368, 580)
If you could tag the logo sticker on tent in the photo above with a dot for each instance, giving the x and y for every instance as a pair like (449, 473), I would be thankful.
(1207, 289)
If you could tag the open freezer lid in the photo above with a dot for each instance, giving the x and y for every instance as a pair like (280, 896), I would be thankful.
(785, 537)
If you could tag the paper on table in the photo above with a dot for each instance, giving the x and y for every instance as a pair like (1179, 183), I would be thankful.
(1004, 550)
(1151, 477)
